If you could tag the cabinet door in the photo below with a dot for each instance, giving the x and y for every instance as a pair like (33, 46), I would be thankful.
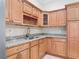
(41, 51)
(53, 47)
(8, 10)
(27, 8)
(34, 52)
(61, 17)
(73, 29)
(12, 57)
(42, 48)
(40, 19)
(52, 20)
(24, 54)
(49, 46)
(73, 48)
(73, 12)
(16, 11)
(60, 48)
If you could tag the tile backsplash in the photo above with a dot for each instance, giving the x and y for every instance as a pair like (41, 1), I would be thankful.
(13, 30)
(54, 30)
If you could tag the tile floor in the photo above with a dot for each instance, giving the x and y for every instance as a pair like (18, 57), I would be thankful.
(51, 57)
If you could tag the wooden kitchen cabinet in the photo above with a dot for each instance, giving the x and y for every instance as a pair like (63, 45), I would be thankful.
(51, 46)
(73, 39)
(57, 18)
(73, 29)
(7, 10)
(73, 11)
(12, 57)
(60, 47)
(18, 52)
(21, 55)
(52, 21)
(34, 52)
(57, 46)
(40, 19)
(73, 48)
(61, 17)
(42, 48)
(24, 54)
(27, 8)
(35, 12)
(16, 11)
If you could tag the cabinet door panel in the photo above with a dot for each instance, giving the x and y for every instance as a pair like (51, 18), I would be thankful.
(61, 17)
(34, 52)
(24, 54)
(52, 20)
(27, 8)
(73, 48)
(16, 11)
(60, 48)
(7, 10)
(73, 29)
(41, 50)
(49, 45)
(73, 12)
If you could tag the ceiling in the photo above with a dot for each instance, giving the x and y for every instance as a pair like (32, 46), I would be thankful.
(49, 5)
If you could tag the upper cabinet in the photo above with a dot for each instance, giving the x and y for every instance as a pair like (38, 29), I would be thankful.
(57, 18)
(73, 11)
(16, 11)
(61, 17)
(32, 15)
(52, 19)
(8, 6)
(27, 8)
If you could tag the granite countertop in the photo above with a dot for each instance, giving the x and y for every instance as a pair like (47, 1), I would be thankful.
(15, 42)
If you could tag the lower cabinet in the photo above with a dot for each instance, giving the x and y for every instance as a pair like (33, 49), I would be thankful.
(34, 52)
(21, 55)
(37, 49)
(56, 46)
(60, 48)
(42, 48)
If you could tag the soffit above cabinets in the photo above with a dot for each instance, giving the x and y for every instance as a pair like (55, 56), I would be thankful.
(49, 5)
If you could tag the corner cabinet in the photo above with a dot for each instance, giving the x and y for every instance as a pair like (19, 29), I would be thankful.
(16, 11)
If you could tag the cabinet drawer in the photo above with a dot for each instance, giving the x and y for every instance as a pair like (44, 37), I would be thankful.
(11, 51)
(34, 43)
(22, 47)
